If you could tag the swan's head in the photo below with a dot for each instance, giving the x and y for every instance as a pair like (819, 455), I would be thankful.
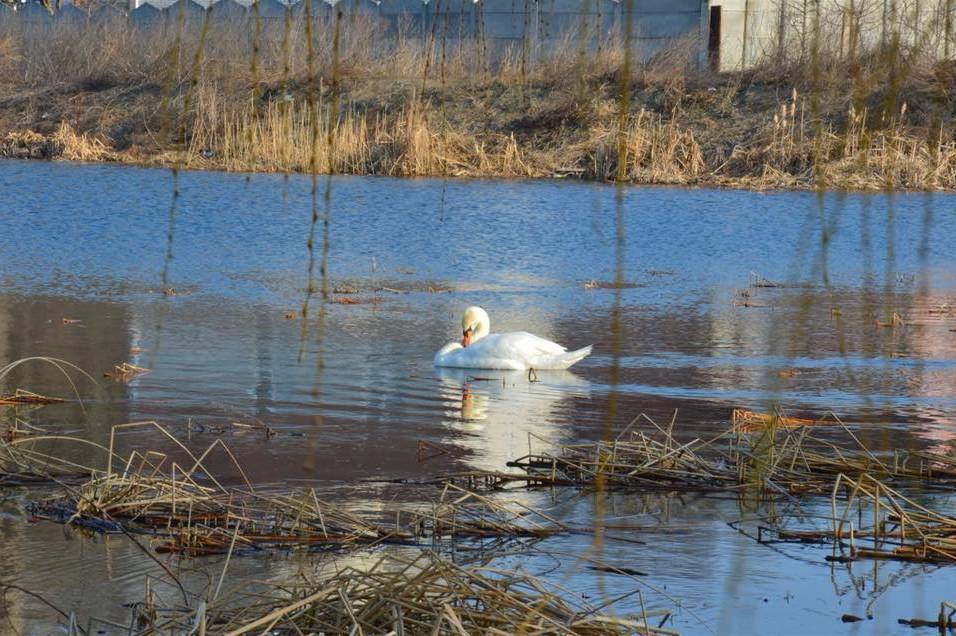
(475, 325)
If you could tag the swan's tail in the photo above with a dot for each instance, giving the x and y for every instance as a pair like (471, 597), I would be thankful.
(564, 360)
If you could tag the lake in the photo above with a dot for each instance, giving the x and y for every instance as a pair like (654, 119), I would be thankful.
(724, 299)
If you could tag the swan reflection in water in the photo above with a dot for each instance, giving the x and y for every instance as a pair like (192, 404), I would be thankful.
(492, 412)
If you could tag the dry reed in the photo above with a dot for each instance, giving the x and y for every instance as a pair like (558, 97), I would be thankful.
(771, 452)
(417, 106)
(872, 520)
(195, 515)
(422, 593)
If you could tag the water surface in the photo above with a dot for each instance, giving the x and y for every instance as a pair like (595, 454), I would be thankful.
(350, 397)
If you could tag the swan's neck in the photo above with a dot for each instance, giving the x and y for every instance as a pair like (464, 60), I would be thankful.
(482, 329)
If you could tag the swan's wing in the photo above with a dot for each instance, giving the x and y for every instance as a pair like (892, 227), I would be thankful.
(518, 350)
(475, 356)
(529, 350)
(521, 345)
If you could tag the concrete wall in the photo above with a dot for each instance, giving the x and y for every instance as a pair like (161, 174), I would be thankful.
(752, 30)
(504, 24)
(657, 24)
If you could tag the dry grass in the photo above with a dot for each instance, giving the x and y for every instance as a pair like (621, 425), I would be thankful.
(769, 452)
(24, 397)
(191, 512)
(658, 150)
(872, 520)
(450, 588)
(405, 142)
(398, 594)
(186, 510)
(64, 143)
(413, 106)
(80, 146)
(894, 155)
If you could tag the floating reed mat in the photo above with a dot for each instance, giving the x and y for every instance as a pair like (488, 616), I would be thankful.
(944, 620)
(189, 511)
(871, 520)
(777, 455)
(421, 593)
(28, 398)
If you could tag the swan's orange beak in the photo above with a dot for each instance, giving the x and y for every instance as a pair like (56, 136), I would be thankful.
(466, 337)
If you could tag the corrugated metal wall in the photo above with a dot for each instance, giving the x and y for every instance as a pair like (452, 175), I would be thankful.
(509, 24)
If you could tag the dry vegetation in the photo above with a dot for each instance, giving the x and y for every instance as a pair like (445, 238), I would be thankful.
(765, 452)
(438, 577)
(874, 511)
(189, 511)
(442, 571)
(227, 94)
(421, 594)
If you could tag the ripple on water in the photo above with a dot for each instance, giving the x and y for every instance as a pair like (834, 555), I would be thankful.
(88, 243)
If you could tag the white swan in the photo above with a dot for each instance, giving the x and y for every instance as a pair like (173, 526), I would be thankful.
(519, 350)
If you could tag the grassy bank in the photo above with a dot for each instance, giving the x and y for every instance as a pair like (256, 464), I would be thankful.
(344, 96)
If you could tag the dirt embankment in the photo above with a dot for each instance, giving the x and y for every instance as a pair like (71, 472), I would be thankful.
(880, 121)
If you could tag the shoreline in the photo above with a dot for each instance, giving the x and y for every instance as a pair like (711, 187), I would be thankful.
(873, 117)
(780, 126)
(734, 184)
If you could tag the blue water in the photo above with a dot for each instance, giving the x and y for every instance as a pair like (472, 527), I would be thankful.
(352, 395)
(234, 236)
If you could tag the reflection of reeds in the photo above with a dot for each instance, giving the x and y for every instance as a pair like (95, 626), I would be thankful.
(872, 520)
